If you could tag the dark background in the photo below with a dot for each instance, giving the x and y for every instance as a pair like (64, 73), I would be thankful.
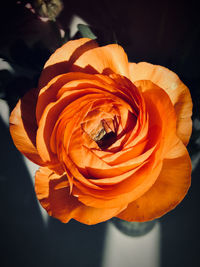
(160, 32)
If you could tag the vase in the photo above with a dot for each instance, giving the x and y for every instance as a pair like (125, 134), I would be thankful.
(133, 228)
(131, 244)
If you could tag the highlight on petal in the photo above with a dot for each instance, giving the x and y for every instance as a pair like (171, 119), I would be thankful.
(167, 192)
(62, 59)
(104, 60)
(174, 87)
(55, 197)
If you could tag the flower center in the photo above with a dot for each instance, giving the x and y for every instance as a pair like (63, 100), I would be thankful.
(105, 132)
(104, 136)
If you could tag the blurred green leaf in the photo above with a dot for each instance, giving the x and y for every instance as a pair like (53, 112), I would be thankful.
(85, 31)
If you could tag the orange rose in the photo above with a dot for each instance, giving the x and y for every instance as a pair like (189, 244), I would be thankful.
(109, 135)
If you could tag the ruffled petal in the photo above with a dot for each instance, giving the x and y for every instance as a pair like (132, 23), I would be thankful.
(62, 59)
(108, 59)
(123, 193)
(168, 191)
(58, 85)
(174, 87)
(23, 126)
(54, 196)
(161, 138)
(161, 113)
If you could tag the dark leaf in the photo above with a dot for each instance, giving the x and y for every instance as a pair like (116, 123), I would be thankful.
(86, 31)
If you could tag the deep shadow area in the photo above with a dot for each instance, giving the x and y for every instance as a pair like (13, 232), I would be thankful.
(180, 230)
(75, 244)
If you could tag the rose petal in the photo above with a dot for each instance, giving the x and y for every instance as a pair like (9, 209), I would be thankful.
(177, 91)
(58, 202)
(62, 59)
(161, 112)
(51, 115)
(133, 188)
(23, 126)
(126, 154)
(167, 192)
(103, 60)
(60, 84)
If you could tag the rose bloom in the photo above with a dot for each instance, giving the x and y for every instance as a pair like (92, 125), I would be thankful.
(110, 136)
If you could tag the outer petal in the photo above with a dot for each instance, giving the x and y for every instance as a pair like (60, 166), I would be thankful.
(161, 112)
(62, 59)
(168, 191)
(177, 91)
(105, 60)
(23, 126)
(54, 196)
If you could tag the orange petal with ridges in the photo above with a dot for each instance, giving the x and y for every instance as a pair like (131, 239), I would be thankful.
(126, 154)
(77, 174)
(63, 58)
(161, 112)
(62, 83)
(57, 201)
(123, 193)
(174, 87)
(23, 126)
(116, 179)
(168, 191)
(49, 118)
(103, 60)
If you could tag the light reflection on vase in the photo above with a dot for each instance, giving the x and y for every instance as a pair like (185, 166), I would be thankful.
(132, 244)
